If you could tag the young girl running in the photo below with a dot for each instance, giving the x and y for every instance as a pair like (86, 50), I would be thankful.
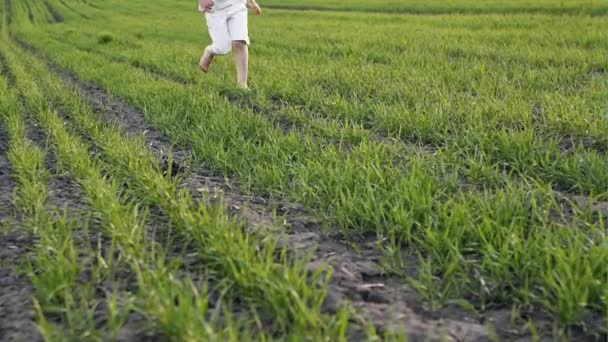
(227, 25)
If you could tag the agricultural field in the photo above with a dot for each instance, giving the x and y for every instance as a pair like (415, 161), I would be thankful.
(398, 170)
(585, 7)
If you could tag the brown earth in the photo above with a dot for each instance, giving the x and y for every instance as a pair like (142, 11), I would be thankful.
(17, 315)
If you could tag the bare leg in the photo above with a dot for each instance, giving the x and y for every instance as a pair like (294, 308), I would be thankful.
(206, 59)
(241, 56)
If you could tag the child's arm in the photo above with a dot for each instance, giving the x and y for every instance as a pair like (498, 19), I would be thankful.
(254, 5)
(205, 5)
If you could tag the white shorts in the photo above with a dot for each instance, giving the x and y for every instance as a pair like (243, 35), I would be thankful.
(225, 26)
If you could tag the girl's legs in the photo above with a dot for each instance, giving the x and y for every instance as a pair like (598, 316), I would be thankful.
(228, 31)
(220, 37)
(206, 59)
(241, 57)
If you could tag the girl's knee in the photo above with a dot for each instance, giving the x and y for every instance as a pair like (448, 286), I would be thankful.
(239, 44)
(221, 48)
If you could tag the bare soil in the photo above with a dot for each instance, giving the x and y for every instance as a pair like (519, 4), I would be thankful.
(17, 315)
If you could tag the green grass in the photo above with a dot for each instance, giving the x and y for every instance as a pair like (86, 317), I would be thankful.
(443, 102)
(124, 227)
(246, 261)
(244, 267)
(585, 7)
(452, 134)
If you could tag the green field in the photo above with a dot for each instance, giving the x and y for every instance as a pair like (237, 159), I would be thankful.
(399, 170)
(586, 7)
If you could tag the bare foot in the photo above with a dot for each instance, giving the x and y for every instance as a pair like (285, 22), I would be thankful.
(205, 61)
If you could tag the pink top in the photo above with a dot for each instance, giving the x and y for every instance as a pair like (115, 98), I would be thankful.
(201, 7)
(219, 4)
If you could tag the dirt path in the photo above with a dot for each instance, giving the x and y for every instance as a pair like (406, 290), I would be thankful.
(63, 193)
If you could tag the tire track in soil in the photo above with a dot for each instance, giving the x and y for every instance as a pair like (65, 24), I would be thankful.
(358, 277)
(17, 314)
(64, 194)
